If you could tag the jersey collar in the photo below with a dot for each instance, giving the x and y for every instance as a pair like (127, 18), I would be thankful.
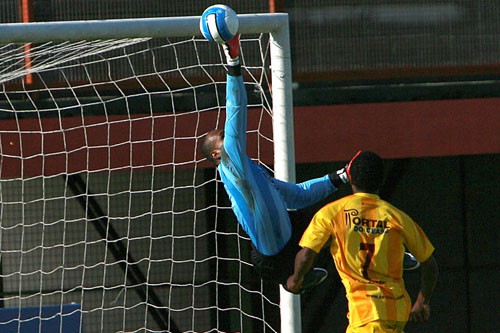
(367, 195)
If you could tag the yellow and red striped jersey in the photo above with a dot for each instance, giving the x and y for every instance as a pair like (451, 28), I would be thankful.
(369, 236)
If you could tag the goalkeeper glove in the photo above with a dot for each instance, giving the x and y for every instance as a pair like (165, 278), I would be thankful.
(339, 177)
(343, 176)
(232, 51)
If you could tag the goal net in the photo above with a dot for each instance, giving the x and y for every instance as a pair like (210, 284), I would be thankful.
(111, 221)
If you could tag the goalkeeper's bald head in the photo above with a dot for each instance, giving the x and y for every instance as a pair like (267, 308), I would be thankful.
(211, 146)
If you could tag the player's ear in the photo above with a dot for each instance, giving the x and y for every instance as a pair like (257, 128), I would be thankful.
(215, 154)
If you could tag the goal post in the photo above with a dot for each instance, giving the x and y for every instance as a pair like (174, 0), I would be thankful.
(41, 168)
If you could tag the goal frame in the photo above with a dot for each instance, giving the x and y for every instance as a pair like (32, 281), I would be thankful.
(276, 24)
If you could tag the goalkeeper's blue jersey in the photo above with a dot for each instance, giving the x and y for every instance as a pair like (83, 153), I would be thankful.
(259, 201)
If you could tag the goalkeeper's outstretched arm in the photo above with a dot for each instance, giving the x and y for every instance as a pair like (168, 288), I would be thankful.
(211, 145)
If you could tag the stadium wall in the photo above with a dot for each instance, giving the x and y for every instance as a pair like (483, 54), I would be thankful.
(398, 130)
(333, 133)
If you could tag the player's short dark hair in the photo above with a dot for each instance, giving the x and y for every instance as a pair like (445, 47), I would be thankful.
(367, 171)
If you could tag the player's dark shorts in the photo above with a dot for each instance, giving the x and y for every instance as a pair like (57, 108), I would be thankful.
(277, 268)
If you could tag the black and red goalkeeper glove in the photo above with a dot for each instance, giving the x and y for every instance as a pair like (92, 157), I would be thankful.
(339, 177)
(343, 176)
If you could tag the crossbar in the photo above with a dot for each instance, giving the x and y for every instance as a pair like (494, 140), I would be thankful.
(39, 32)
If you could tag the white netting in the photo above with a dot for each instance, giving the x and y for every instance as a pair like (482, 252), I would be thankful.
(110, 219)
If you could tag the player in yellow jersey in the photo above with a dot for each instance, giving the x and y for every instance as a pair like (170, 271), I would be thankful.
(368, 239)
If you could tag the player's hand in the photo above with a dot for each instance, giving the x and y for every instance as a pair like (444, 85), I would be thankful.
(293, 285)
(420, 312)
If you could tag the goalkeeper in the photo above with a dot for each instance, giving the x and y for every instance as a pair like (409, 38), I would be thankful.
(259, 201)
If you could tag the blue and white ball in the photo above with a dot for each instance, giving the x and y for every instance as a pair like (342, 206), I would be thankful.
(219, 23)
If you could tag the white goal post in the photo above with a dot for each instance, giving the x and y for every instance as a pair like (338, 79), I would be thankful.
(281, 77)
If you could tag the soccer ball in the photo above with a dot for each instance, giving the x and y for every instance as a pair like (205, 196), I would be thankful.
(219, 23)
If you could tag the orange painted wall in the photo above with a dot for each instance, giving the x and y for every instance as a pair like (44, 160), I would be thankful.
(322, 134)
(398, 130)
